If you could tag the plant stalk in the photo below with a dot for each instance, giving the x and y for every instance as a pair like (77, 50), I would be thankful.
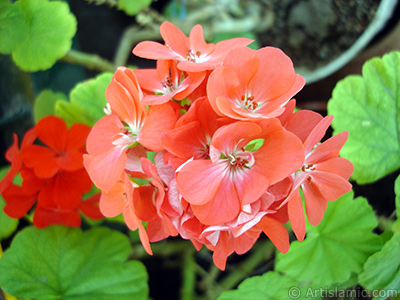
(89, 61)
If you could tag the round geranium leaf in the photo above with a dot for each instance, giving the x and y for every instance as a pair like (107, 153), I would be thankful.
(7, 225)
(131, 8)
(382, 270)
(271, 286)
(45, 103)
(87, 101)
(13, 29)
(367, 107)
(51, 29)
(337, 247)
(65, 263)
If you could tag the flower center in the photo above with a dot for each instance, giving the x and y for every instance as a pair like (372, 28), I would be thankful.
(168, 85)
(125, 138)
(248, 103)
(241, 159)
(193, 56)
(308, 168)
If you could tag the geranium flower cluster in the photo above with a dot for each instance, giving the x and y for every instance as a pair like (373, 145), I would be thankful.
(53, 175)
(230, 155)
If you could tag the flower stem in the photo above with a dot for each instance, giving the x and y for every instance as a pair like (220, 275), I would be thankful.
(261, 252)
(89, 61)
(188, 275)
(131, 36)
(162, 248)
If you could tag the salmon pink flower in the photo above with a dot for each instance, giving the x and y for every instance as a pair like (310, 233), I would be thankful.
(166, 83)
(323, 177)
(253, 84)
(130, 124)
(240, 234)
(192, 134)
(192, 53)
(235, 175)
(119, 199)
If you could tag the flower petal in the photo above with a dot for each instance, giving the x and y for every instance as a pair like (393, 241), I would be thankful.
(276, 232)
(302, 122)
(337, 165)
(90, 207)
(222, 208)
(222, 48)
(161, 118)
(245, 62)
(281, 154)
(53, 132)
(243, 243)
(46, 216)
(317, 133)
(77, 136)
(18, 202)
(114, 201)
(102, 135)
(43, 160)
(174, 38)
(154, 50)
(106, 169)
(223, 249)
(185, 141)
(331, 186)
(276, 78)
(13, 156)
(219, 86)
(315, 203)
(124, 96)
(328, 149)
(296, 216)
(143, 203)
(199, 181)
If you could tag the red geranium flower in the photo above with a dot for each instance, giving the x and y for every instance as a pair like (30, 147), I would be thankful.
(53, 175)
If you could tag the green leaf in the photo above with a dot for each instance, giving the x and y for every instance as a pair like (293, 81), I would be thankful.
(7, 225)
(254, 145)
(87, 101)
(13, 29)
(51, 27)
(368, 107)
(66, 263)
(231, 35)
(45, 104)
(335, 248)
(269, 286)
(382, 270)
(131, 8)
(397, 192)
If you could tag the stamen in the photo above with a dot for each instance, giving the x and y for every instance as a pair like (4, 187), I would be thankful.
(168, 85)
(193, 56)
(248, 102)
(308, 168)
(241, 159)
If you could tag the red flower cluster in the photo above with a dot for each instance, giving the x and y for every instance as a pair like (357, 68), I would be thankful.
(230, 154)
(53, 175)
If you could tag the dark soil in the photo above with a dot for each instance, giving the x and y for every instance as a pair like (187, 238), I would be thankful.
(313, 32)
